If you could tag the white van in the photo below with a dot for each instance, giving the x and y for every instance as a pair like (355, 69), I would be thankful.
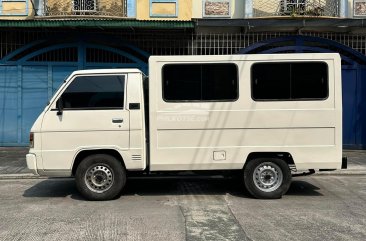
(267, 115)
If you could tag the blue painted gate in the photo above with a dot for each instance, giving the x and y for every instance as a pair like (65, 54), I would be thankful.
(30, 75)
(353, 79)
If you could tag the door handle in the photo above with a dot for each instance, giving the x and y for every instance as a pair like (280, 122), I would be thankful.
(117, 120)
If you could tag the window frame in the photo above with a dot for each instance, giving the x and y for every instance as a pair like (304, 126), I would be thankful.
(154, 15)
(288, 100)
(94, 108)
(26, 10)
(199, 101)
(204, 15)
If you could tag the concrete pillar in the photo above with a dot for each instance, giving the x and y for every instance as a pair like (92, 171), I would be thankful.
(131, 8)
(343, 9)
(249, 8)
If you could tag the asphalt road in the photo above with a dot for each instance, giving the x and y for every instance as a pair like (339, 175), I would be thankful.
(315, 208)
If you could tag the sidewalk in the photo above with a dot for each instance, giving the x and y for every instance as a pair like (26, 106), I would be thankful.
(12, 160)
(13, 164)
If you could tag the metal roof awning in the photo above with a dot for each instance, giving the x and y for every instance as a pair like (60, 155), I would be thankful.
(95, 23)
(309, 23)
(253, 24)
(286, 22)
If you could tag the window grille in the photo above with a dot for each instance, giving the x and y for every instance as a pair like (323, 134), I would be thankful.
(84, 5)
(162, 42)
(294, 7)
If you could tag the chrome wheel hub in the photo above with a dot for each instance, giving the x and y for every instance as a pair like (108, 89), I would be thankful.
(267, 177)
(99, 178)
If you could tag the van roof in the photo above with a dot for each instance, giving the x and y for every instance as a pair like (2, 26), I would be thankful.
(243, 57)
(106, 71)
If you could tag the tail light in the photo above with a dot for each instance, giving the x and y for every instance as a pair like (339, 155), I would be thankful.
(31, 140)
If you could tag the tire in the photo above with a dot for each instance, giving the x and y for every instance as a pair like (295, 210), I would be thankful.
(267, 178)
(100, 177)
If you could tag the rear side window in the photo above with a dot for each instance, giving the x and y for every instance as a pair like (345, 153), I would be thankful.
(200, 82)
(290, 81)
(94, 92)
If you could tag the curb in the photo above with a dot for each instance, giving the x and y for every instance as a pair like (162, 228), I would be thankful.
(341, 173)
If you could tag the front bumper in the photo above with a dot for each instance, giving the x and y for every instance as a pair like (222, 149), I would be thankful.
(32, 163)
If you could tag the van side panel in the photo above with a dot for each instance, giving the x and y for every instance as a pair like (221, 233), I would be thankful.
(220, 135)
(136, 156)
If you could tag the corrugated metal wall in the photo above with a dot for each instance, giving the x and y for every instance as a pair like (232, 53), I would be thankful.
(31, 70)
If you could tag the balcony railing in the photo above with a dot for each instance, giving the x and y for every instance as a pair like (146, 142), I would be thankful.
(296, 8)
(115, 8)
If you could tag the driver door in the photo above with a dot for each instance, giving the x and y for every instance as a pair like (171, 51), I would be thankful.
(93, 116)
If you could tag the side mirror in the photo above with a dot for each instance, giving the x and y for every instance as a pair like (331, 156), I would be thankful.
(59, 106)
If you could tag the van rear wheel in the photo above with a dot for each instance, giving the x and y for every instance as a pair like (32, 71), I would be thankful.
(267, 178)
(100, 177)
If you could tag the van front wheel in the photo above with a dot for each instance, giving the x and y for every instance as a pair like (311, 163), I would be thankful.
(100, 177)
(267, 178)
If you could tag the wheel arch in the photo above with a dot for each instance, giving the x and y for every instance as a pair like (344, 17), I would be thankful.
(84, 153)
(286, 156)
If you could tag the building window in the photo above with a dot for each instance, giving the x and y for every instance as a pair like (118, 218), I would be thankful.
(94, 92)
(289, 81)
(359, 8)
(216, 8)
(84, 5)
(14, 7)
(200, 82)
(164, 8)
